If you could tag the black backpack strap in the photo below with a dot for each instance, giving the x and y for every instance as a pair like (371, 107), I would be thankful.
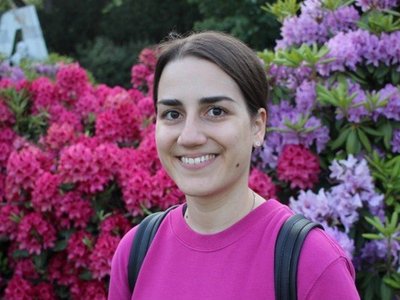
(141, 243)
(287, 252)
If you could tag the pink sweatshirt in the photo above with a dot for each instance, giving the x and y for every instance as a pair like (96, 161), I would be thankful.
(237, 263)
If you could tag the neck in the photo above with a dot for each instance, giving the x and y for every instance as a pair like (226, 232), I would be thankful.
(214, 215)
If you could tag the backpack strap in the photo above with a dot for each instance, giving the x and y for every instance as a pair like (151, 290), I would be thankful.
(287, 252)
(141, 243)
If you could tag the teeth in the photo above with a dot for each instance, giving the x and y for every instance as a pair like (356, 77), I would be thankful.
(197, 160)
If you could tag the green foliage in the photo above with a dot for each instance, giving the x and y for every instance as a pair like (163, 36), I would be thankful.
(243, 19)
(306, 55)
(386, 172)
(282, 9)
(27, 125)
(378, 22)
(109, 63)
(335, 4)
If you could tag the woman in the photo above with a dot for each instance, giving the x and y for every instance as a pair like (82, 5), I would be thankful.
(210, 92)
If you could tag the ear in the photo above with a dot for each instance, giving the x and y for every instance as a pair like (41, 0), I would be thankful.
(259, 127)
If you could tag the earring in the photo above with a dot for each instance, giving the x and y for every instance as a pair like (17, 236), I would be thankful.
(257, 144)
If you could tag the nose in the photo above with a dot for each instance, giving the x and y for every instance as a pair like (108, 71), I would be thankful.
(192, 134)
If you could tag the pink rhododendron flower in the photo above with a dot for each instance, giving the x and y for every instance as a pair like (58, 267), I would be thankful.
(135, 94)
(2, 187)
(5, 151)
(299, 166)
(7, 135)
(137, 192)
(101, 256)
(262, 184)
(35, 234)
(44, 291)
(165, 192)
(79, 164)
(88, 103)
(148, 57)
(19, 289)
(94, 290)
(8, 227)
(60, 135)
(146, 107)
(72, 82)
(26, 269)
(61, 270)
(147, 150)
(72, 211)
(45, 192)
(79, 247)
(115, 225)
(23, 169)
(6, 116)
(139, 75)
(42, 91)
(61, 115)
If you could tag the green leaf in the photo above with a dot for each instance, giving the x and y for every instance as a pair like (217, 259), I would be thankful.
(86, 275)
(352, 144)
(395, 76)
(372, 236)
(364, 140)
(387, 135)
(386, 292)
(40, 260)
(372, 131)
(20, 254)
(340, 139)
(60, 245)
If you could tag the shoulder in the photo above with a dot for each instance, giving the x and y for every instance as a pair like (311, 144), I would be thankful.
(119, 288)
(324, 269)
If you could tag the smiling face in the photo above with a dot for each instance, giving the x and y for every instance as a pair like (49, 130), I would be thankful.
(204, 133)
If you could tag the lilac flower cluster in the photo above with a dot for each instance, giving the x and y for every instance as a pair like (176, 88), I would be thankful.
(289, 77)
(46, 69)
(378, 250)
(283, 117)
(391, 110)
(317, 24)
(341, 204)
(396, 141)
(376, 4)
(355, 189)
(349, 49)
(306, 96)
(388, 103)
(15, 74)
(357, 110)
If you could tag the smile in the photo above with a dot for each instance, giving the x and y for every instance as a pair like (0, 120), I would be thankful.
(197, 160)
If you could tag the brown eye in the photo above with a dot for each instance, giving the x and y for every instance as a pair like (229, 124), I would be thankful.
(172, 115)
(216, 112)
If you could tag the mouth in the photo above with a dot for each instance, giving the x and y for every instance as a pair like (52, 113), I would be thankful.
(198, 160)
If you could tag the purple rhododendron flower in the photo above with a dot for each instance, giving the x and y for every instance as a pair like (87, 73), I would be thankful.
(377, 4)
(396, 141)
(312, 132)
(343, 240)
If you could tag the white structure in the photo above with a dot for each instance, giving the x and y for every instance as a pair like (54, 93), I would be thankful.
(24, 18)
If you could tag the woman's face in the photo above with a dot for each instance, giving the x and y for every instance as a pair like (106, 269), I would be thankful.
(204, 133)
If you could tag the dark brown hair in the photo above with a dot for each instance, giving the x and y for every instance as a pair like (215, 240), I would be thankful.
(231, 55)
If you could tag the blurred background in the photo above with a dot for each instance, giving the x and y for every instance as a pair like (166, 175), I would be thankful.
(106, 36)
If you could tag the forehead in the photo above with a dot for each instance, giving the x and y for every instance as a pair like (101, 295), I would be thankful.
(191, 77)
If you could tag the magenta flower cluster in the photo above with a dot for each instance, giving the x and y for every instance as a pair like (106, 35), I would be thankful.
(70, 194)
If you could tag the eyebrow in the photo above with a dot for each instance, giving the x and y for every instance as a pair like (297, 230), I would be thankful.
(203, 100)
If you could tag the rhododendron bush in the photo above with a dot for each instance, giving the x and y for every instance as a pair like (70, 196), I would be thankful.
(78, 168)
(333, 142)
